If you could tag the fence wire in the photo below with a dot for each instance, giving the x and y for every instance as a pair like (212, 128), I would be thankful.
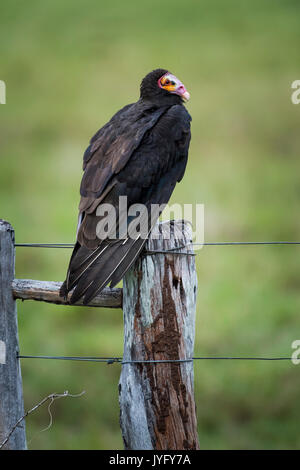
(112, 360)
(71, 245)
(172, 251)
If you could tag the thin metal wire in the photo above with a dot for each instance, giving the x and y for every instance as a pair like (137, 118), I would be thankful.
(170, 251)
(167, 252)
(45, 245)
(108, 360)
(112, 360)
(249, 243)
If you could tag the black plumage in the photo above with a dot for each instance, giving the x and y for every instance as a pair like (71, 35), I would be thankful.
(140, 153)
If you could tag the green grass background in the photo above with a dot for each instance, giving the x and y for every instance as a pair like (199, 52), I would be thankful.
(68, 66)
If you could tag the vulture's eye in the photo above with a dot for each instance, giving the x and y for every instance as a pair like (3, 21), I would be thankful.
(168, 83)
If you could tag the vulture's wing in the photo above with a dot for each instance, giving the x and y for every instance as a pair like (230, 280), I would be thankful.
(141, 159)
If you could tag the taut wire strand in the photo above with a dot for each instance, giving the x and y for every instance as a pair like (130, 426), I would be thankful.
(112, 360)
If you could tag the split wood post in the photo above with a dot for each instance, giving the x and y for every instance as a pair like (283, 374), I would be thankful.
(11, 394)
(157, 407)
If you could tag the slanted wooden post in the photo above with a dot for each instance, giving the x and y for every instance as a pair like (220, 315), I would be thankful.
(157, 408)
(11, 395)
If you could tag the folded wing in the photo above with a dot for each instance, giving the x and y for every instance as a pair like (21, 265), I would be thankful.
(140, 154)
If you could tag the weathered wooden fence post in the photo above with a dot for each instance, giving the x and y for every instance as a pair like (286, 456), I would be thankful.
(11, 395)
(157, 408)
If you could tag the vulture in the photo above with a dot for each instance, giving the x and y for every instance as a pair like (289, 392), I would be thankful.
(141, 153)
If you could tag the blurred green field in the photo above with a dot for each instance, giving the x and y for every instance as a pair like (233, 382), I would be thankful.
(68, 66)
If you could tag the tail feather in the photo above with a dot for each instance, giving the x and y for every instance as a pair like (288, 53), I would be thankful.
(80, 266)
(132, 254)
(127, 262)
(93, 271)
(103, 275)
(90, 270)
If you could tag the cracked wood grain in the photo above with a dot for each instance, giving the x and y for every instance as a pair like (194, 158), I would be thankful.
(157, 407)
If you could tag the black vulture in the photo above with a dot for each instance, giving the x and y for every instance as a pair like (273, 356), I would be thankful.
(141, 153)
